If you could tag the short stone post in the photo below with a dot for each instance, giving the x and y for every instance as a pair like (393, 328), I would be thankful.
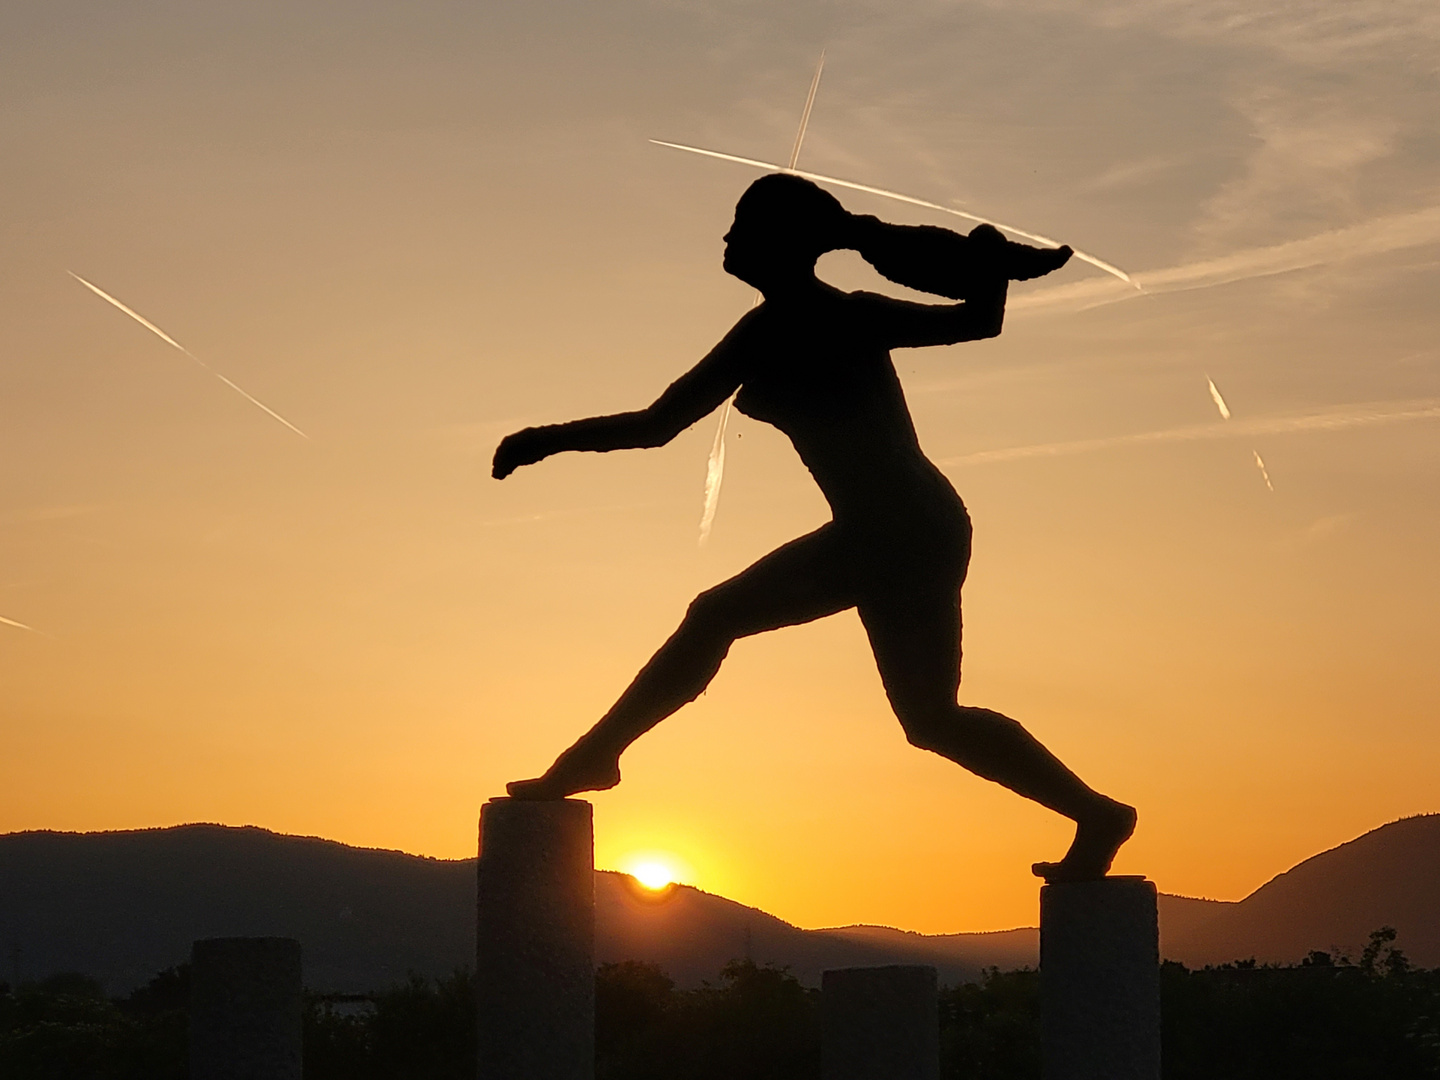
(880, 1023)
(535, 940)
(1100, 980)
(245, 1008)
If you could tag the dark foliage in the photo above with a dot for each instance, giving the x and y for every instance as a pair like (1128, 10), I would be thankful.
(1328, 1018)
(1325, 1019)
(990, 1030)
(64, 1028)
(418, 1030)
(758, 1022)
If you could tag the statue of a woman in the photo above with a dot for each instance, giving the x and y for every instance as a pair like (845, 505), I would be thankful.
(815, 362)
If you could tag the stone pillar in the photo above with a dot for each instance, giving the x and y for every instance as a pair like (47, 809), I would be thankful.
(1100, 980)
(535, 941)
(880, 1023)
(245, 1006)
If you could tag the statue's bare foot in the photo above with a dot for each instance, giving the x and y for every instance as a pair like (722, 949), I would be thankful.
(1097, 839)
(570, 774)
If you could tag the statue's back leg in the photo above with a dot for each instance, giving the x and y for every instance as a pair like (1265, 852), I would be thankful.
(914, 630)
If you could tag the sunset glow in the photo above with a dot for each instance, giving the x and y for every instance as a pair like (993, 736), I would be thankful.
(416, 228)
(656, 870)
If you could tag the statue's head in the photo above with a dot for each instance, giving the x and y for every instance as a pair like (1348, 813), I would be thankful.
(783, 223)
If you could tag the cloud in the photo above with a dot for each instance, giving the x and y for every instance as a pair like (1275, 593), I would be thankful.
(1338, 419)
(1306, 165)
(1322, 32)
(1133, 174)
(1377, 236)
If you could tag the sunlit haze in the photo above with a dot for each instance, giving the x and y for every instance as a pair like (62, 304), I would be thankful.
(409, 229)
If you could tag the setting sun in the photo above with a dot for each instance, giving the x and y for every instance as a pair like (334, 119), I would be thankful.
(655, 870)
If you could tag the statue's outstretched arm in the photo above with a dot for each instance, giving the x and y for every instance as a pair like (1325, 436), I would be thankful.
(696, 393)
(903, 324)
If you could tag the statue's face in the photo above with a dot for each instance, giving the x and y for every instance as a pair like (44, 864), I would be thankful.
(745, 250)
(759, 254)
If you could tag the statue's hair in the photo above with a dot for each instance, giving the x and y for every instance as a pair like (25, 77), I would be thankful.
(795, 208)
(924, 257)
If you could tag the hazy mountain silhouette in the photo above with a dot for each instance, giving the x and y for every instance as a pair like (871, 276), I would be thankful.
(1388, 877)
(123, 905)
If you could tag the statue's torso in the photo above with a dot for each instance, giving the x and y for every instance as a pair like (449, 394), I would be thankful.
(816, 368)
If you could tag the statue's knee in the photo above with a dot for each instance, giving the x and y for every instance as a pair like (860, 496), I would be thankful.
(927, 728)
(710, 620)
(706, 610)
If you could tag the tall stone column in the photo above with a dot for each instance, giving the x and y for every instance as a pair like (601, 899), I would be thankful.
(1100, 980)
(535, 941)
(245, 1009)
(880, 1023)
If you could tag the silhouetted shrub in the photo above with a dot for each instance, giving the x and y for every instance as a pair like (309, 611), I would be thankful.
(64, 1028)
(1323, 1019)
(991, 1029)
(1327, 1018)
(758, 1022)
(417, 1030)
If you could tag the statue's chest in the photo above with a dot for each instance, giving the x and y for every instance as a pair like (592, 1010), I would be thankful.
(815, 375)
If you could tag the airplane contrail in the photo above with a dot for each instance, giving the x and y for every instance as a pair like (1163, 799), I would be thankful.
(168, 339)
(715, 472)
(18, 625)
(715, 465)
(1377, 236)
(1109, 268)
(1351, 416)
(1264, 472)
(1219, 401)
(805, 115)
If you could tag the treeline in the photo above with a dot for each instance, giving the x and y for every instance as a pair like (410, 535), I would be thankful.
(1327, 1018)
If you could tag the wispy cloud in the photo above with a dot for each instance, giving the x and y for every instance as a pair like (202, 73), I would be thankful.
(1377, 236)
(1338, 419)
(1312, 31)
(18, 625)
(168, 339)
(1309, 152)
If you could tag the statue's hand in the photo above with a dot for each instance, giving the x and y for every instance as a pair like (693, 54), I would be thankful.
(853, 230)
(1019, 262)
(524, 447)
(989, 236)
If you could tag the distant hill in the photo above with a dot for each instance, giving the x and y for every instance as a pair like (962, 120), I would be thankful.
(1388, 877)
(123, 905)
(692, 934)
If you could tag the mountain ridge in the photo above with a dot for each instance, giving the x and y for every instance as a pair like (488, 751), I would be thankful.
(124, 904)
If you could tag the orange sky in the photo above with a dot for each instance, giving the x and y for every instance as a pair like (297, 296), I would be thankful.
(412, 228)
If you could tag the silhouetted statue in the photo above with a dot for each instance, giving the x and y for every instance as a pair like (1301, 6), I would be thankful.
(815, 362)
